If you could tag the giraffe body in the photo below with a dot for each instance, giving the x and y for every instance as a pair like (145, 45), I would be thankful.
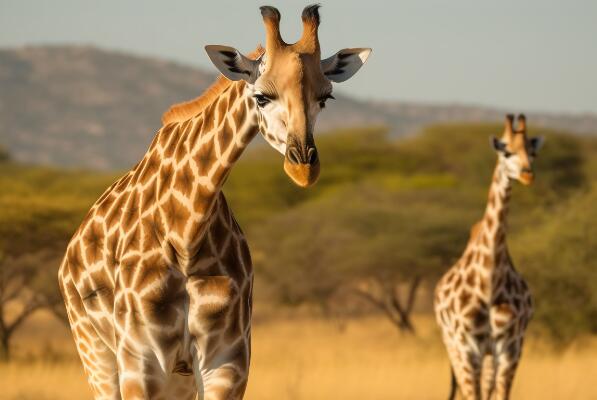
(157, 280)
(482, 304)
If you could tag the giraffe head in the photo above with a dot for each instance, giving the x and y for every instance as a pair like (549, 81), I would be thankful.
(516, 151)
(290, 84)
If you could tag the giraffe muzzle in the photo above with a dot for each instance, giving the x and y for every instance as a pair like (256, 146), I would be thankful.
(527, 176)
(301, 164)
(305, 155)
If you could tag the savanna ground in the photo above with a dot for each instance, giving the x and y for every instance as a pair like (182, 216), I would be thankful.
(298, 356)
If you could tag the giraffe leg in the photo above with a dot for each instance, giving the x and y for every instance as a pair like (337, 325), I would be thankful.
(488, 377)
(150, 314)
(219, 315)
(145, 372)
(141, 378)
(180, 387)
(467, 369)
(146, 366)
(453, 385)
(140, 374)
(508, 355)
(225, 378)
(99, 361)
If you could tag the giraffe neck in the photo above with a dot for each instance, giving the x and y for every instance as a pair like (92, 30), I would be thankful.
(496, 213)
(194, 160)
(217, 137)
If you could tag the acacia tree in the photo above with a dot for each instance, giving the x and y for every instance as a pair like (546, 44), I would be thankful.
(39, 210)
(17, 299)
(385, 295)
(412, 253)
(368, 247)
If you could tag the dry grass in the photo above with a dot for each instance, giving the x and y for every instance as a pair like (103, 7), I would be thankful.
(43, 381)
(309, 358)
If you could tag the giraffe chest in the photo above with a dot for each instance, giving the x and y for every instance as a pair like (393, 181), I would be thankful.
(511, 305)
(201, 303)
(219, 288)
(483, 304)
(221, 255)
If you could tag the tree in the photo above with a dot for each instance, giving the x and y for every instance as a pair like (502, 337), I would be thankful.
(385, 296)
(19, 298)
(373, 245)
(40, 209)
(558, 257)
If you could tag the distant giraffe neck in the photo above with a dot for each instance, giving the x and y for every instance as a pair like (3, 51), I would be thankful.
(193, 159)
(496, 212)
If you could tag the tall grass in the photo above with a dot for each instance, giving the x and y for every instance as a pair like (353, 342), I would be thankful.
(302, 357)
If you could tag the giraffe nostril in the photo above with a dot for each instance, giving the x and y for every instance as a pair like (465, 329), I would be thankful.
(293, 155)
(312, 155)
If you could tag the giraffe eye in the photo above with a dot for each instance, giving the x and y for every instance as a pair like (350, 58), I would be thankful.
(261, 99)
(325, 98)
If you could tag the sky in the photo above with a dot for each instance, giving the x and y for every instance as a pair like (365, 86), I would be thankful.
(521, 56)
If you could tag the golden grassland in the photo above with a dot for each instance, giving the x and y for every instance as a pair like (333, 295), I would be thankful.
(304, 357)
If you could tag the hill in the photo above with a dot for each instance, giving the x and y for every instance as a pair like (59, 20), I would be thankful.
(86, 107)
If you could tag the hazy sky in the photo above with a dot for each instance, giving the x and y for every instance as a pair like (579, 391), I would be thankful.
(519, 55)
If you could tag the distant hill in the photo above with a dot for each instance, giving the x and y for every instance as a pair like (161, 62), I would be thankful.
(86, 107)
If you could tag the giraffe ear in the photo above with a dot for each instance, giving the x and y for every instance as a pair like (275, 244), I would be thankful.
(497, 144)
(344, 64)
(536, 143)
(232, 64)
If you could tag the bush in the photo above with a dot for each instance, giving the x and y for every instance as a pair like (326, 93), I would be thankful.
(559, 257)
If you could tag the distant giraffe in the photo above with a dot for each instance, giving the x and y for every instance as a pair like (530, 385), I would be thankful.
(158, 280)
(482, 304)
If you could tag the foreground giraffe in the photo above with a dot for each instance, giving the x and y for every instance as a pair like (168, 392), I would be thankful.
(482, 304)
(157, 280)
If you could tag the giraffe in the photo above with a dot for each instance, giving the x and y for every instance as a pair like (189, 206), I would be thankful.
(157, 280)
(482, 304)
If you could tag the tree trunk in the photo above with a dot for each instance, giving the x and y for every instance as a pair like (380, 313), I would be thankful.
(404, 312)
(4, 349)
(405, 324)
(7, 329)
(387, 300)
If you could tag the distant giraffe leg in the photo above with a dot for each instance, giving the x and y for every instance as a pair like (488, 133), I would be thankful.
(508, 354)
(453, 385)
(467, 369)
(488, 377)
(99, 362)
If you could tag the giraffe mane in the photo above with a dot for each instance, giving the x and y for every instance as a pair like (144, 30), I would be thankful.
(183, 111)
(475, 230)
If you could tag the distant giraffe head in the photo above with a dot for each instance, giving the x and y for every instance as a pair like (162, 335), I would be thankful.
(290, 84)
(516, 151)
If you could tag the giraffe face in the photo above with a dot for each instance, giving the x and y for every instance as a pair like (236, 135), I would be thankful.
(289, 96)
(289, 86)
(516, 151)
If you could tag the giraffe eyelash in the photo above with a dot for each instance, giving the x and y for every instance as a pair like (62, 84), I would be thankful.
(262, 99)
(323, 99)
